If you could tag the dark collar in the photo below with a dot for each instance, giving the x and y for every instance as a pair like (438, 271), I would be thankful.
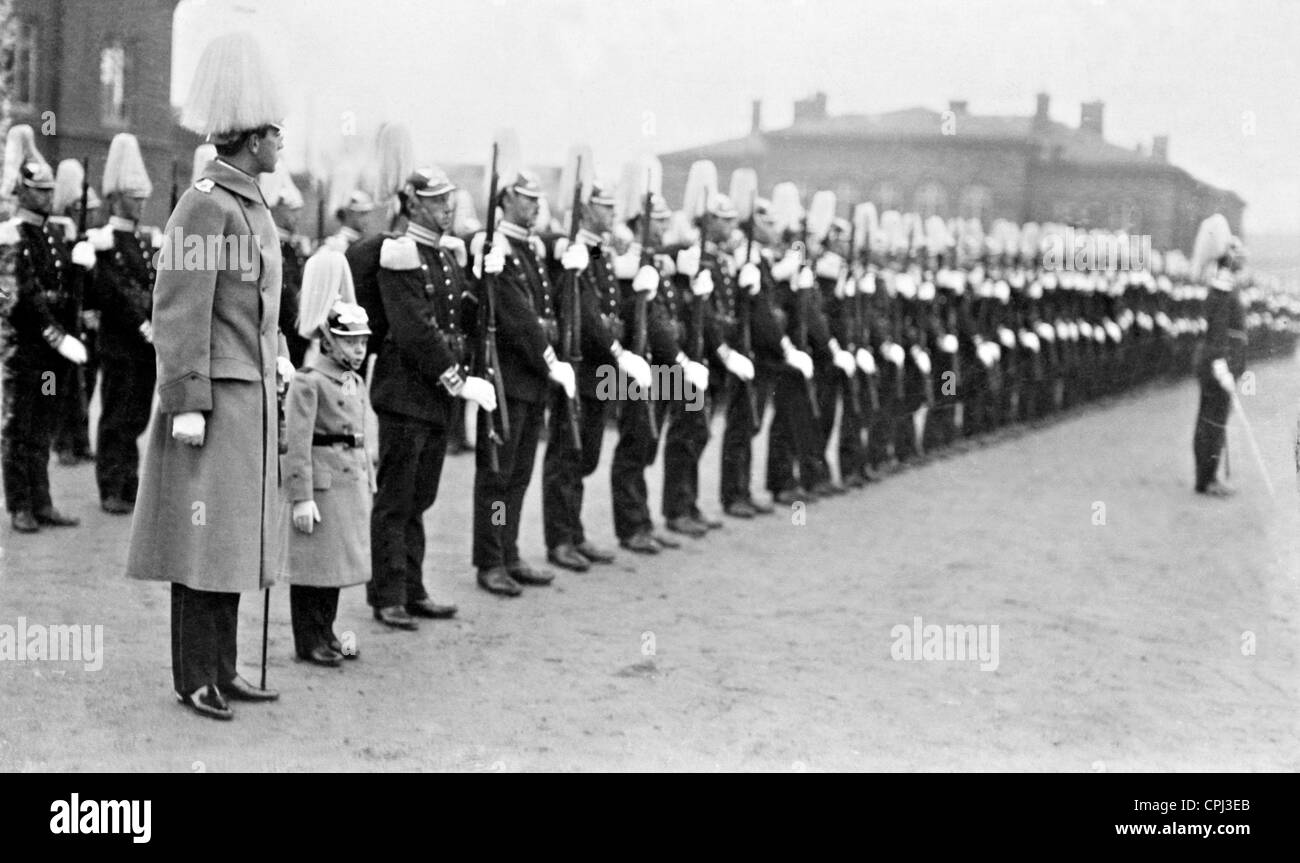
(234, 180)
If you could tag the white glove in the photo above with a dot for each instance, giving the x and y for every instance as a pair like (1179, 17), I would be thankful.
(848, 287)
(575, 258)
(454, 245)
(73, 350)
(805, 281)
(635, 368)
(305, 515)
(284, 368)
(948, 343)
(702, 286)
(785, 269)
(921, 359)
(739, 365)
(1221, 373)
(829, 266)
(646, 281)
(1006, 337)
(1029, 340)
(801, 361)
(493, 262)
(626, 266)
(750, 279)
(562, 373)
(146, 332)
(844, 360)
(1113, 330)
(480, 392)
(866, 361)
(189, 428)
(688, 261)
(697, 375)
(1045, 331)
(83, 255)
(894, 353)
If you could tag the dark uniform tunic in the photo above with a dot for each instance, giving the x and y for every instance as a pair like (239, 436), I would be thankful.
(1225, 339)
(124, 277)
(40, 306)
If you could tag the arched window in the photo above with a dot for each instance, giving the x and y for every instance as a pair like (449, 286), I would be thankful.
(976, 202)
(112, 85)
(930, 199)
(885, 196)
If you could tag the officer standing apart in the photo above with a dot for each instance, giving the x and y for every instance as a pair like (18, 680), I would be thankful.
(40, 314)
(210, 517)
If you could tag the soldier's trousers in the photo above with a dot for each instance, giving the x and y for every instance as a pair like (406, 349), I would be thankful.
(499, 497)
(125, 396)
(312, 610)
(684, 442)
(633, 454)
(1211, 431)
(564, 467)
(411, 453)
(204, 644)
(833, 387)
(794, 441)
(72, 423)
(26, 431)
(738, 436)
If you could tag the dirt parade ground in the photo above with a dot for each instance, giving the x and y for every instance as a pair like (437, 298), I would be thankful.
(1130, 625)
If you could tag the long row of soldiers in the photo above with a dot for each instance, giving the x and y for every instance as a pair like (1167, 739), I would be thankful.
(893, 336)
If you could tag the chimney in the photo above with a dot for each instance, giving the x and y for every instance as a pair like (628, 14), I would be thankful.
(957, 106)
(756, 117)
(1160, 148)
(1090, 117)
(812, 108)
(1042, 116)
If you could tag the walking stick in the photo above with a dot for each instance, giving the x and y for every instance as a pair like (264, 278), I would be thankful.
(266, 619)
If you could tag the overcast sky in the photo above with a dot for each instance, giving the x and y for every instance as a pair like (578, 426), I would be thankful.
(1220, 77)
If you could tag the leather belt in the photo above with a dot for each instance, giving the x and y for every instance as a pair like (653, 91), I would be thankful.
(354, 441)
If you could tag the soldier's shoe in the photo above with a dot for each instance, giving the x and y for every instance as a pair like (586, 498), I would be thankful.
(322, 654)
(207, 701)
(396, 617)
(116, 506)
(525, 574)
(688, 526)
(239, 689)
(664, 541)
(789, 496)
(709, 523)
(1217, 489)
(641, 543)
(854, 480)
(24, 522)
(428, 608)
(51, 517)
(740, 509)
(826, 488)
(594, 553)
(496, 580)
(761, 507)
(568, 557)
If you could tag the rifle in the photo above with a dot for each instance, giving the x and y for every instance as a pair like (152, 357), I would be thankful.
(320, 213)
(488, 361)
(571, 306)
(639, 324)
(855, 391)
(175, 192)
(746, 311)
(85, 196)
(801, 332)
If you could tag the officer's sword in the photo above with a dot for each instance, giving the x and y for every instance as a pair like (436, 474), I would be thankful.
(1254, 446)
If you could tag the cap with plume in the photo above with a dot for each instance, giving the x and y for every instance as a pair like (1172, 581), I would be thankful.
(326, 279)
(865, 224)
(233, 89)
(24, 165)
(394, 160)
(124, 170)
(67, 187)
(701, 185)
(578, 159)
(278, 187)
(1213, 240)
(743, 192)
(465, 220)
(821, 213)
(787, 212)
(632, 186)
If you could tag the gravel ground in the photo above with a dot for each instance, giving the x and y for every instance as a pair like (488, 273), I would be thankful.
(1164, 638)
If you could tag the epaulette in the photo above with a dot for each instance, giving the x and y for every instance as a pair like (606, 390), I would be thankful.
(399, 253)
(561, 246)
(204, 185)
(155, 236)
(476, 244)
(68, 226)
(538, 246)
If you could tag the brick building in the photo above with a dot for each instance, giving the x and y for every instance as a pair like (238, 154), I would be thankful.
(80, 71)
(955, 163)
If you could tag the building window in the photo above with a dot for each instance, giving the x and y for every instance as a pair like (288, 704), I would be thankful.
(20, 62)
(112, 85)
(975, 202)
(930, 199)
(885, 196)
